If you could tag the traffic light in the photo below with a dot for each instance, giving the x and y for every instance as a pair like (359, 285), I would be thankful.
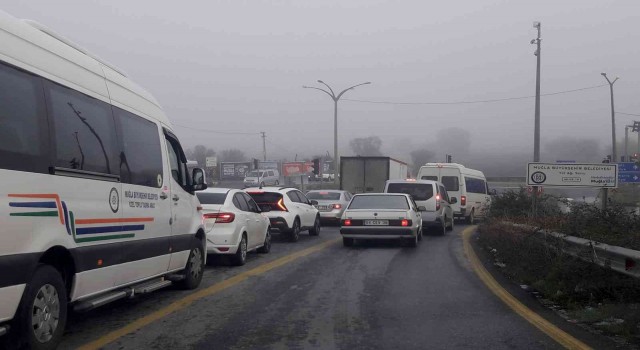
(449, 158)
(316, 166)
(255, 163)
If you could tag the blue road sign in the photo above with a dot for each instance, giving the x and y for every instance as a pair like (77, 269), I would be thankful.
(629, 177)
(628, 167)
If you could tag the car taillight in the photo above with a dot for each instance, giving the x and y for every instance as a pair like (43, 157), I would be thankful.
(337, 206)
(463, 200)
(346, 222)
(405, 222)
(438, 201)
(221, 218)
(281, 205)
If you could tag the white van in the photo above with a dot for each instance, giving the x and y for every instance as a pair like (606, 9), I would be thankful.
(95, 197)
(262, 177)
(468, 186)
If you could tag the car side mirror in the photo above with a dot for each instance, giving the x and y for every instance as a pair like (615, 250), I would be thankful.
(199, 182)
(313, 202)
(453, 200)
(421, 208)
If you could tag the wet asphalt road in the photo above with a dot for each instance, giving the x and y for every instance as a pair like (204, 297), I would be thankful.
(372, 296)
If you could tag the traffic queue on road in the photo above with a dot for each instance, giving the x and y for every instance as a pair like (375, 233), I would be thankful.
(100, 203)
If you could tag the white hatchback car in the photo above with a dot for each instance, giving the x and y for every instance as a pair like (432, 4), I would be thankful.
(234, 224)
(289, 210)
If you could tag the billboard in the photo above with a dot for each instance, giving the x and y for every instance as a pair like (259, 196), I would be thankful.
(297, 168)
(234, 170)
(572, 175)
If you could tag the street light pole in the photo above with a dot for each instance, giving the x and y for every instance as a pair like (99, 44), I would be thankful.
(614, 151)
(536, 133)
(335, 99)
(536, 130)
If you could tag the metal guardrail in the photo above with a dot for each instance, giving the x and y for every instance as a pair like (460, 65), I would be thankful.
(619, 259)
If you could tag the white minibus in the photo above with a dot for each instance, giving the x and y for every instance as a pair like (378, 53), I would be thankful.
(469, 186)
(96, 202)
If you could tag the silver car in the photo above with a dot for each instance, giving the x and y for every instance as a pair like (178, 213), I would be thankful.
(331, 203)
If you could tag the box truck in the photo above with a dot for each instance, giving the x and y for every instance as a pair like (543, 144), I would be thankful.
(369, 174)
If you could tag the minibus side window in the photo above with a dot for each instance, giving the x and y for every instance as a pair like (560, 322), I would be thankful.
(140, 160)
(85, 136)
(24, 132)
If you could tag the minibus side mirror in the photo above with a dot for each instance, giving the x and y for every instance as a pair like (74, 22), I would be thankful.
(199, 182)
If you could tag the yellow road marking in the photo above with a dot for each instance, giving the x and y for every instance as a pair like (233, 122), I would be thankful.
(560, 336)
(202, 293)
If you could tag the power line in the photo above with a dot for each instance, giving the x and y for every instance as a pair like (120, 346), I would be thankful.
(476, 101)
(217, 131)
(633, 114)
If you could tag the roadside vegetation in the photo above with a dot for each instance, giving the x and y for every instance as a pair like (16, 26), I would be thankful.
(599, 298)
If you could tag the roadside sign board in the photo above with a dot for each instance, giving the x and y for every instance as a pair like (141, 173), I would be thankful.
(211, 162)
(293, 168)
(629, 173)
(297, 168)
(234, 171)
(572, 175)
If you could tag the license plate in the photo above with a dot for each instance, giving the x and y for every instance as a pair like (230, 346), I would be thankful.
(376, 222)
(323, 207)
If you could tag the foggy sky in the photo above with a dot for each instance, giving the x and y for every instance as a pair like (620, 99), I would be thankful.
(240, 65)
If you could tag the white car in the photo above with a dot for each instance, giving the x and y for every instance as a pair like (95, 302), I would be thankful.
(289, 210)
(262, 177)
(382, 216)
(331, 203)
(234, 224)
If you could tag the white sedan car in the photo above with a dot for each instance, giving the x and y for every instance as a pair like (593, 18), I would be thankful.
(234, 224)
(382, 216)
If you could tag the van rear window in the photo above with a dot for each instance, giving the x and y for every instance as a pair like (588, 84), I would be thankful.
(419, 192)
(451, 183)
(430, 178)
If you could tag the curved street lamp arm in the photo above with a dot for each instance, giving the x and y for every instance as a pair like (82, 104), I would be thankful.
(327, 85)
(347, 89)
(323, 90)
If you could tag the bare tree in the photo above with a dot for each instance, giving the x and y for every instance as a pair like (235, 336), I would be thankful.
(232, 155)
(421, 157)
(200, 153)
(366, 146)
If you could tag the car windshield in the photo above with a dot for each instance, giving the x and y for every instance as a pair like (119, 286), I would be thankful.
(419, 192)
(379, 202)
(211, 198)
(255, 174)
(324, 195)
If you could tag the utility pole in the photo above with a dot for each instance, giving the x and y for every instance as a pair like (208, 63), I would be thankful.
(626, 142)
(335, 98)
(536, 132)
(614, 151)
(264, 145)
